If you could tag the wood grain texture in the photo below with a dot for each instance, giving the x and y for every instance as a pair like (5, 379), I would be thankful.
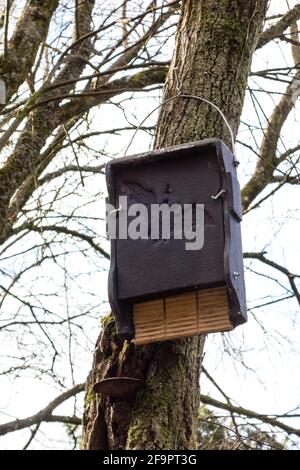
(189, 314)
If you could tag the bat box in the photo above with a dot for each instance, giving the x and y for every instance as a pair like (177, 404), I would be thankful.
(163, 284)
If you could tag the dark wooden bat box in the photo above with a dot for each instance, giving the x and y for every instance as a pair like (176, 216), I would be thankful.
(158, 290)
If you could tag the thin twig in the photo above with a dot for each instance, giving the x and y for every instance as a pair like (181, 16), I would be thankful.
(45, 414)
(32, 436)
(6, 22)
(77, 32)
(74, 152)
(250, 414)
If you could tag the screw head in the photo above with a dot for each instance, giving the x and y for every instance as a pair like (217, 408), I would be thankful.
(236, 275)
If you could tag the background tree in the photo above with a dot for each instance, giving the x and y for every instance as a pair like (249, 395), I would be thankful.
(65, 67)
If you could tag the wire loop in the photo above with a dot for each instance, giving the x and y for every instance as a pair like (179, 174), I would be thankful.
(183, 95)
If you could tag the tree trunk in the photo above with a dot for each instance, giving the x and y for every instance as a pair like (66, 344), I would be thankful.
(214, 46)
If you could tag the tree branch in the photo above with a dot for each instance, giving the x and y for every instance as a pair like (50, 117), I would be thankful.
(6, 21)
(207, 400)
(70, 168)
(24, 44)
(61, 229)
(276, 30)
(286, 179)
(291, 277)
(267, 160)
(22, 163)
(45, 415)
(136, 82)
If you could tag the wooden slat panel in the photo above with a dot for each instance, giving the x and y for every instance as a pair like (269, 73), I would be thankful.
(181, 315)
(200, 312)
(149, 321)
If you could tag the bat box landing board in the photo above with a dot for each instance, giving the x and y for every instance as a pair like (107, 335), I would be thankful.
(162, 283)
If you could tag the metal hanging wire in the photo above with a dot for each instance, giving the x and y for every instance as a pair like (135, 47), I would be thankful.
(183, 95)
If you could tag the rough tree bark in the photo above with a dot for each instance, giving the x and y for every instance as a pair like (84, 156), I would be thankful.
(214, 46)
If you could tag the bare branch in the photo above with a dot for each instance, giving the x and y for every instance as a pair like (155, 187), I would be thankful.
(136, 82)
(295, 44)
(65, 230)
(250, 414)
(32, 436)
(24, 44)
(70, 168)
(276, 30)
(45, 415)
(291, 277)
(18, 168)
(6, 21)
(268, 160)
(283, 179)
